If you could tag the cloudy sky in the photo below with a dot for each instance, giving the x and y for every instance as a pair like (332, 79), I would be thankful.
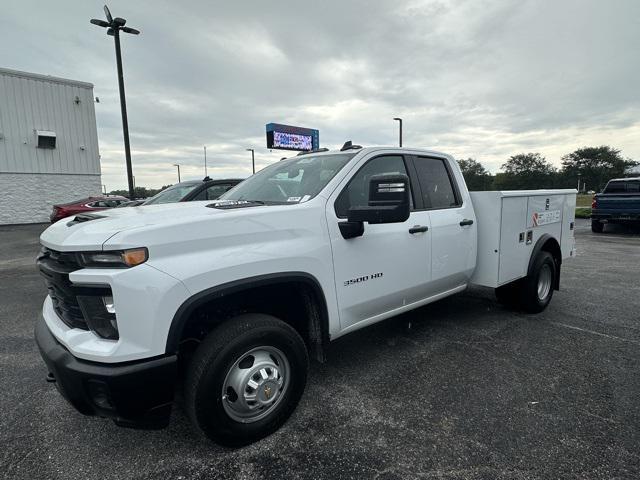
(481, 79)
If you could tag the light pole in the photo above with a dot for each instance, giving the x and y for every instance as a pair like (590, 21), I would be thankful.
(176, 165)
(205, 161)
(578, 183)
(253, 159)
(114, 26)
(400, 134)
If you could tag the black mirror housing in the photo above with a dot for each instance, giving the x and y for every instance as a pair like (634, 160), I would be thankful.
(388, 201)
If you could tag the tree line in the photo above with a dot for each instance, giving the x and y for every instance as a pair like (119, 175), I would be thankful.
(594, 166)
(139, 192)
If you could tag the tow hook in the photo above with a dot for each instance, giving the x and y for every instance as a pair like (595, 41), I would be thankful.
(51, 378)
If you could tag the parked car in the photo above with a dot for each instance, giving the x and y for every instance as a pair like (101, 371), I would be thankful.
(194, 190)
(89, 204)
(230, 298)
(619, 202)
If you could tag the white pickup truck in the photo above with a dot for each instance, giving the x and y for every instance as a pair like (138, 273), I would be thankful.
(226, 300)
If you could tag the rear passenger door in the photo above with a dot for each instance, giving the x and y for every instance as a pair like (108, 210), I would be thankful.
(453, 224)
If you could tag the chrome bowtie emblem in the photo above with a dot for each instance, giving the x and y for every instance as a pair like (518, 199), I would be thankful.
(267, 392)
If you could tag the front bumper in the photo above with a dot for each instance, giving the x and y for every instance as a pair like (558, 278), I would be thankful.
(135, 394)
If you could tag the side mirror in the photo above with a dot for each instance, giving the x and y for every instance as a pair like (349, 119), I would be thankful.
(388, 203)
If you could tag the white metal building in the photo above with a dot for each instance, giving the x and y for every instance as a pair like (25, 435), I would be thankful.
(48, 145)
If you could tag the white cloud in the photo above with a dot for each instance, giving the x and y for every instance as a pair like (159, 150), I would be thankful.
(476, 79)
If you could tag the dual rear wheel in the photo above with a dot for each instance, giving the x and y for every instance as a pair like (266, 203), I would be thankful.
(533, 292)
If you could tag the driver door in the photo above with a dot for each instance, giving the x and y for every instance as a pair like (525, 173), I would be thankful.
(388, 267)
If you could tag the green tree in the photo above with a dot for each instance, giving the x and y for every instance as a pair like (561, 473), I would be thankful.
(595, 165)
(526, 171)
(475, 175)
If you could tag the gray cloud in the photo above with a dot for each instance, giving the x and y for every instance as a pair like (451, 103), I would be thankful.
(480, 79)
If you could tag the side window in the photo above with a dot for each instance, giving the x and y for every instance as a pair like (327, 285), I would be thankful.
(202, 195)
(436, 184)
(356, 193)
(214, 191)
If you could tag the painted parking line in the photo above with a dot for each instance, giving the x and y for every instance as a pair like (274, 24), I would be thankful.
(572, 327)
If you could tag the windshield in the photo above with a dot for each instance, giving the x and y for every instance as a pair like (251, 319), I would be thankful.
(172, 194)
(293, 180)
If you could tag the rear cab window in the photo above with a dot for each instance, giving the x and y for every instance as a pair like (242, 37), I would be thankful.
(623, 186)
(437, 184)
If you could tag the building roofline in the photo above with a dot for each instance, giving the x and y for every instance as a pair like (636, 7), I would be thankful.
(45, 78)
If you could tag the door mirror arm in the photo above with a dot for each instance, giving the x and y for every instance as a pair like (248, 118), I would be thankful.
(350, 229)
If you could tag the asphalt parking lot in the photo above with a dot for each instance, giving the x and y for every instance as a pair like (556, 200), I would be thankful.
(462, 388)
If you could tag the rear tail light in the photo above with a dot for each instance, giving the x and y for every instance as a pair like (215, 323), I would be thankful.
(58, 213)
(594, 203)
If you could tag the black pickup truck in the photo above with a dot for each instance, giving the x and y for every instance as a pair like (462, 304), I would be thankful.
(619, 202)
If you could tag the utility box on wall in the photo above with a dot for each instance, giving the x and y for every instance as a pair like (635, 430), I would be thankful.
(48, 145)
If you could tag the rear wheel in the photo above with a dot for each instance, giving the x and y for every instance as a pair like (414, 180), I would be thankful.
(246, 379)
(537, 287)
(597, 226)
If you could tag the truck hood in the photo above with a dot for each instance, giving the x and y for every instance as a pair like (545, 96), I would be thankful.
(84, 232)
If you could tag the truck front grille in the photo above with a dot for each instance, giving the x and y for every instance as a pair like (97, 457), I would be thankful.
(55, 267)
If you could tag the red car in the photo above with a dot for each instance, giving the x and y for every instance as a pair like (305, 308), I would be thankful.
(90, 204)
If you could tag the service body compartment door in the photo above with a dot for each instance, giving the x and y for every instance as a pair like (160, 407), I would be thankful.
(545, 215)
(513, 252)
(568, 244)
(545, 210)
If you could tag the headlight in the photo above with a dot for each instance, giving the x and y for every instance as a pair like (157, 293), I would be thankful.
(115, 258)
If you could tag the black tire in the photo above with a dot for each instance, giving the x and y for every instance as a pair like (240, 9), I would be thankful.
(217, 355)
(597, 226)
(529, 292)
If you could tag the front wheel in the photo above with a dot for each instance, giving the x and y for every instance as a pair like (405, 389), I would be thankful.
(246, 379)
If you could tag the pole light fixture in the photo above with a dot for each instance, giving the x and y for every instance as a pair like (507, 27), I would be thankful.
(176, 165)
(253, 159)
(114, 26)
(399, 120)
(205, 162)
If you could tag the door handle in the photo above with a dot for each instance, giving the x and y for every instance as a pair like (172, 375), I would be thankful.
(418, 229)
(466, 222)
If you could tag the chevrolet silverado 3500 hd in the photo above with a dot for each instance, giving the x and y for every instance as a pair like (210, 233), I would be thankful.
(228, 299)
